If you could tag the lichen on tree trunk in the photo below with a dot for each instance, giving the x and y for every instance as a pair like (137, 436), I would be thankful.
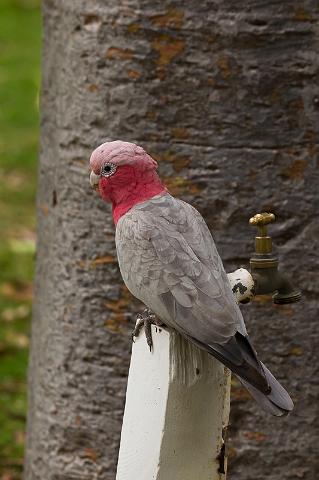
(225, 96)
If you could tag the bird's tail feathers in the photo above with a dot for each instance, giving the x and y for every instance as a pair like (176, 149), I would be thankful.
(252, 373)
(277, 402)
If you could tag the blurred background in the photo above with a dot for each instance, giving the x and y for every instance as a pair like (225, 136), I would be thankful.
(20, 39)
(239, 118)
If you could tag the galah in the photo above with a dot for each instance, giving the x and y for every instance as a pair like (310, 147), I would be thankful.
(169, 261)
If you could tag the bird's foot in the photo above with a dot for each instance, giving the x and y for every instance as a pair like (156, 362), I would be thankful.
(146, 320)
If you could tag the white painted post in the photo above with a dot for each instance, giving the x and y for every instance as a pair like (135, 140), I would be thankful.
(177, 404)
(177, 408)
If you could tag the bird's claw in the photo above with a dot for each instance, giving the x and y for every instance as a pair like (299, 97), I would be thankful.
(145, 319)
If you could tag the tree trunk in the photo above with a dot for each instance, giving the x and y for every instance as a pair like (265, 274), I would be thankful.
(225, 96)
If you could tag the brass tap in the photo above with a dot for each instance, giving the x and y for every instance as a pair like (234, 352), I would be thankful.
(264, 265)
(263, 243)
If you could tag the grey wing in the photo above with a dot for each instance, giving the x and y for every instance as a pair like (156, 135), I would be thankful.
(168, 259)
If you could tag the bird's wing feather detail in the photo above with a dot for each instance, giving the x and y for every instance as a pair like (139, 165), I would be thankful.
(166, 251)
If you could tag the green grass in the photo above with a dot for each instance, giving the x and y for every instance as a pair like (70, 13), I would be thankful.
(20, 39)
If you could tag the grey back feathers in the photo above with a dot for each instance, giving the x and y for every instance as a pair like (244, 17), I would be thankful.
(166, 250)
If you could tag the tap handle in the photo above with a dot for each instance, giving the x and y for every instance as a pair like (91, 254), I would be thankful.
(261, 219)
(263, 243)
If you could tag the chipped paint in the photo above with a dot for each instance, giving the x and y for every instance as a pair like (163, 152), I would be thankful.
(242, 285)
(239, 287)
(223, 456)
(221, 459)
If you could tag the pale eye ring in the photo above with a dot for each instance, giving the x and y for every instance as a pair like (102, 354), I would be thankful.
(108, 169)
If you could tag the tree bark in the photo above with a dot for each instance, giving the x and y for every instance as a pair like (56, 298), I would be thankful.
(225, 96)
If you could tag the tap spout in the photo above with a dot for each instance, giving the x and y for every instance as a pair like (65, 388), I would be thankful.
(269, 280)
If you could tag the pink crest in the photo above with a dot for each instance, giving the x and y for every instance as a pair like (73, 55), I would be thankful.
(121, 153)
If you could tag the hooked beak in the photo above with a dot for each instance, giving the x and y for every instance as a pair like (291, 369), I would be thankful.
(94, 180)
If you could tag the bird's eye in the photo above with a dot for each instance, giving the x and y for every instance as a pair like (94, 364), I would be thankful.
(108, 169)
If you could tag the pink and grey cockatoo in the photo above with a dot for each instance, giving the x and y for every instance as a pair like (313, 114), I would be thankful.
(169, 261)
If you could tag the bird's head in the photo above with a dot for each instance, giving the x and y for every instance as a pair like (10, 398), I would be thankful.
(124, 174)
